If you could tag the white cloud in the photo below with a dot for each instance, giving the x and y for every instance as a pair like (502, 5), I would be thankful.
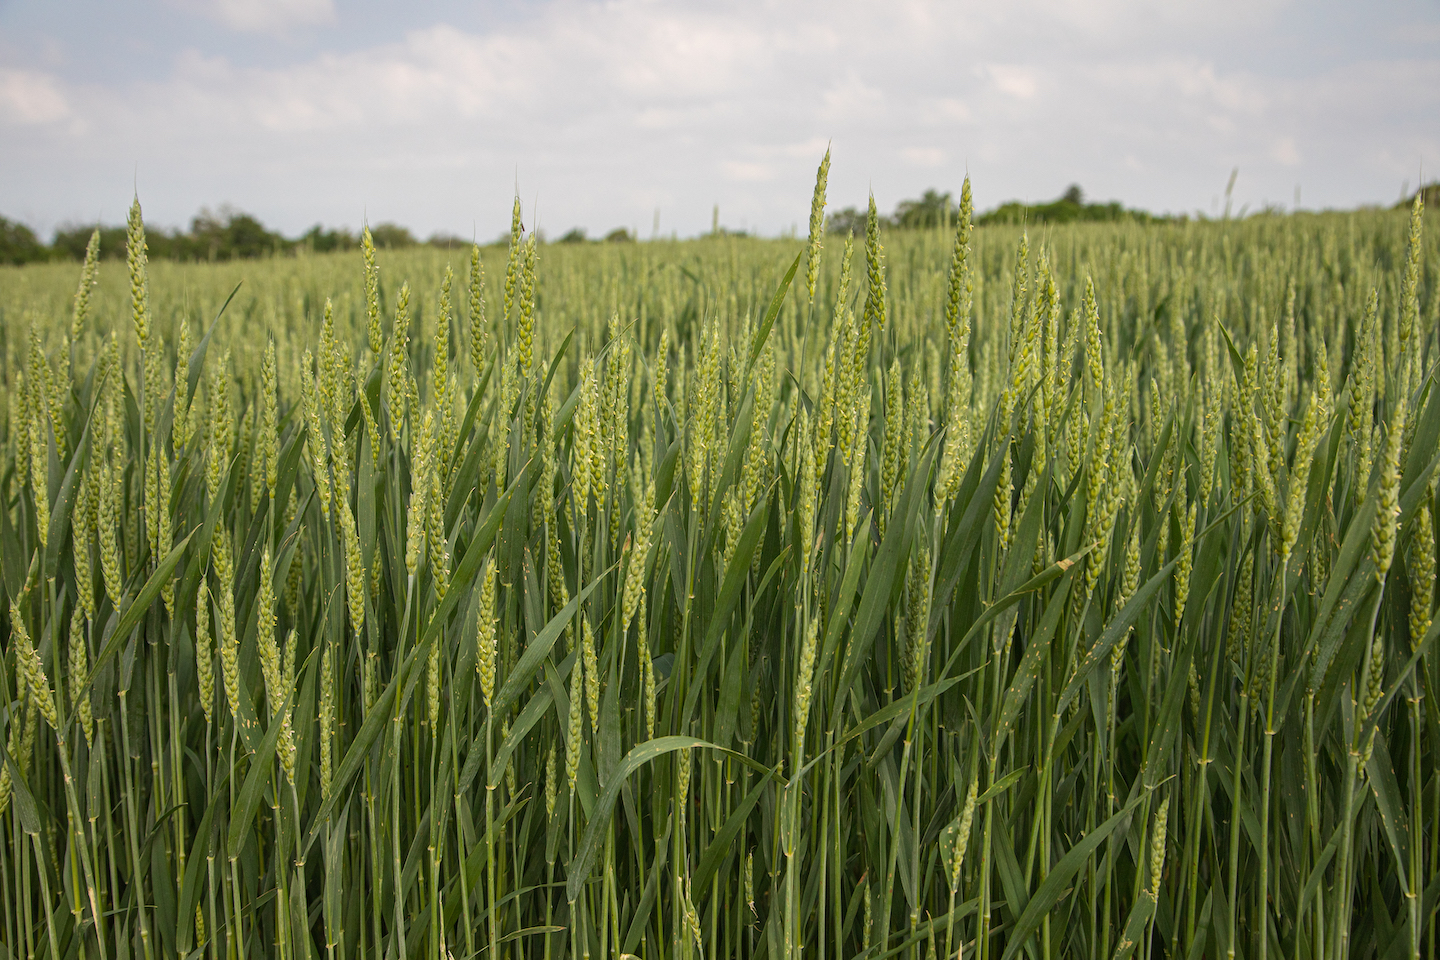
(924, 156)
(950, 109)
(1017, 81)
(1285, 152)
(849, 97)
(747, 171)
(264, 16)
(605, 110)
(27, 97)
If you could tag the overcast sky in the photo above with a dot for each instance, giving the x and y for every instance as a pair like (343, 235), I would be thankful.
(433, 113)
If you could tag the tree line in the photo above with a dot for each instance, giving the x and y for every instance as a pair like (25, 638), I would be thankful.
(226, 234)
(230, 234)
(936, 209)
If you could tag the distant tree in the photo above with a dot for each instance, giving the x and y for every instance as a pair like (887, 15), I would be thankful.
(1012, 211)
(18, 244)
(446, 241)
(220, 234)
(247, 237)
(391, 236)
(573, 235)
(226, 235)
(1070, 207)
(1429, 195)
(848, 220)
(620, 235)
(161, 244)
(319, 240)
(933, 209)
(70, 241)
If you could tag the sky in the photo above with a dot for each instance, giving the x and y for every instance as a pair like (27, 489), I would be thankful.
(632, 113)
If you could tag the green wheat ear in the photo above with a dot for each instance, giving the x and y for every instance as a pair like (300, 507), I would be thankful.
(874, 270)
(372, 292)
(137, 261)
(817, 226)
(89, 275)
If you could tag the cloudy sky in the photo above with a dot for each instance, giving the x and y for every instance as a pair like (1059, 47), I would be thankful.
(602, 113)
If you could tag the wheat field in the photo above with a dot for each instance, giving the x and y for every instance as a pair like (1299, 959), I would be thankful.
(946, 593)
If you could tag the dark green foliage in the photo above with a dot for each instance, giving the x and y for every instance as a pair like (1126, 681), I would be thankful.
(18, 244)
